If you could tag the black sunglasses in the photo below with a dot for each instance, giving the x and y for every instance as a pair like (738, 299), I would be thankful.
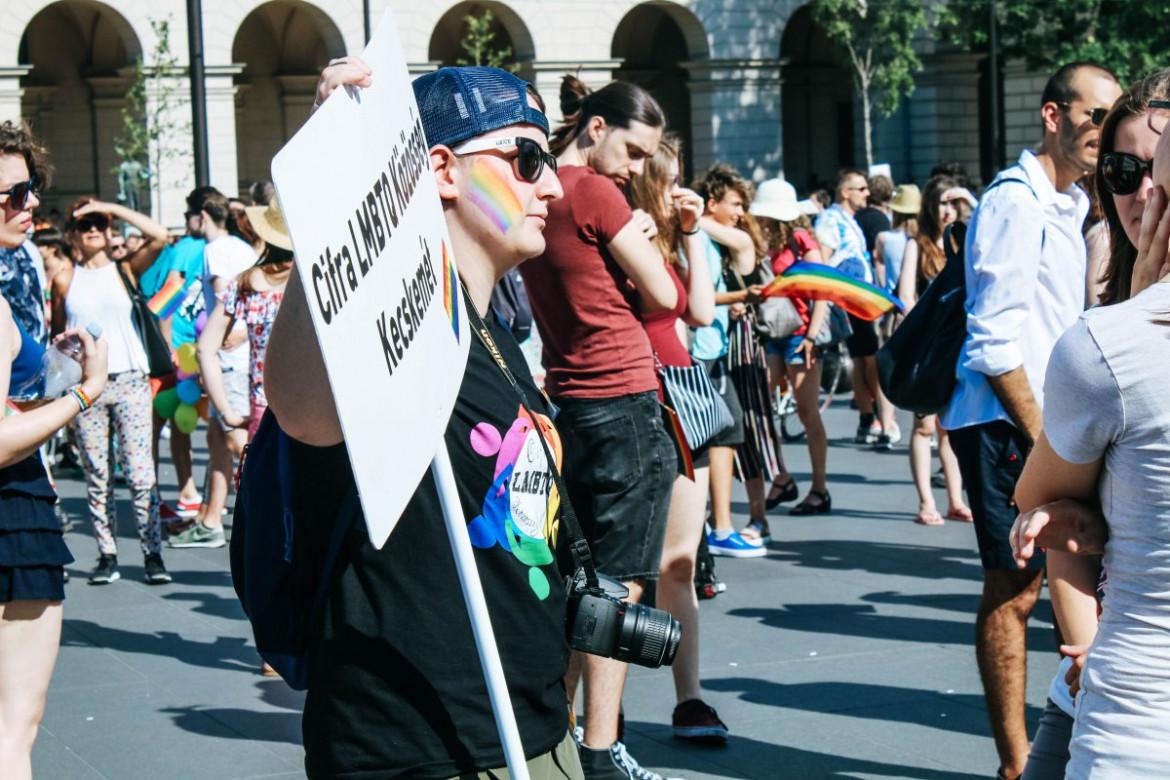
(530, 158)
(1122, 173)
(90, 222)
(18, 194)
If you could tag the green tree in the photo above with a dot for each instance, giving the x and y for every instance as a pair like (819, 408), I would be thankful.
(480, 44)
(1126, 36)
(153, 128)
(876, 40)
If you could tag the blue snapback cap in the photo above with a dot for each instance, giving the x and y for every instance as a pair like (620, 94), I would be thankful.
(460, 103)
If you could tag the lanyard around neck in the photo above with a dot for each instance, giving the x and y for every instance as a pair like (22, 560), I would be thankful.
(579, 548)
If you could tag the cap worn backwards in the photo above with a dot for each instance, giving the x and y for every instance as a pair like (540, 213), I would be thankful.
(460, 103)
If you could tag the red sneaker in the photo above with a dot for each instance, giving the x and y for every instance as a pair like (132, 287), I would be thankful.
(696, 721)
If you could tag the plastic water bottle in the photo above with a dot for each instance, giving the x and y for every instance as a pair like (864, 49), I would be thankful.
(60, 370)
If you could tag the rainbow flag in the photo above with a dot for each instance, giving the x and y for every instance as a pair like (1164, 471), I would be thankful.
(821, 283)
(167, 300)
(450, 291)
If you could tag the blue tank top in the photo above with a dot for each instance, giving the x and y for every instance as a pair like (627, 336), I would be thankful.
(28, 477)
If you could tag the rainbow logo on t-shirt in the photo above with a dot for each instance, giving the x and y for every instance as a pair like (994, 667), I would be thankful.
(450, 291)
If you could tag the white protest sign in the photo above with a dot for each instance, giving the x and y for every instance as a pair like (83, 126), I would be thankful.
(373, 253)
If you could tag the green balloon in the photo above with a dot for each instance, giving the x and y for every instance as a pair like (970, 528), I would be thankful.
(166, 402)
(186, 418)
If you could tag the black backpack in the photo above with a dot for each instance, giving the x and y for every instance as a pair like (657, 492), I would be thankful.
(281, 580)
(917, 365)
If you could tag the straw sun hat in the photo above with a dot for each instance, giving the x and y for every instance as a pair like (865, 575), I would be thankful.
(268, 222)
(907, 199)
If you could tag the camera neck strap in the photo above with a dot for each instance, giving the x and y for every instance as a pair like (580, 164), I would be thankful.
(578, 547)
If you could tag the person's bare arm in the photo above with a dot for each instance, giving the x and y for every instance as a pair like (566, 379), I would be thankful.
(743, 249)
(1072, 579)
(294, 373)
(908, 276)
(1014, 392)
(58, 293)
(210, 341)
(642, 263)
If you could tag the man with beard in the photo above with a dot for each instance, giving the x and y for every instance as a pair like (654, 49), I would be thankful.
(1025, 271)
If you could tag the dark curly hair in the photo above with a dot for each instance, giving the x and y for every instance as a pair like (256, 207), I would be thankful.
(18, 138)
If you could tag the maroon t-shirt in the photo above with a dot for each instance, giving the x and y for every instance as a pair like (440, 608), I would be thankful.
(594, 343)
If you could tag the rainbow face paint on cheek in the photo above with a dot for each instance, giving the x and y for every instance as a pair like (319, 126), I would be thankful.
(491, 193)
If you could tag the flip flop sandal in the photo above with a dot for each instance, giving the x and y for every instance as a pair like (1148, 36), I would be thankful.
(756, 532)
(929, 518)
(961, 515)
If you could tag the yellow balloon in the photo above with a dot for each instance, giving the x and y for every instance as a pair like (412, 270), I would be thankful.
(188, 363)
(187, 350)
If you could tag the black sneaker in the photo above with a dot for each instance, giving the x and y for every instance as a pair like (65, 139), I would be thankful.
(614, 763)
(156, 573)
(106, 571)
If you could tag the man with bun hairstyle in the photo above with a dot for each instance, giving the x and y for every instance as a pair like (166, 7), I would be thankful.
(600, 367)
(395, 685)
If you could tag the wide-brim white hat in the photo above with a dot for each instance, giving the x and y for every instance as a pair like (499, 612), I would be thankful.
(776, 198)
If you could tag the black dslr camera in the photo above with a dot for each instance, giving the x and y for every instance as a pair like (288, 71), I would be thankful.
(598, 622)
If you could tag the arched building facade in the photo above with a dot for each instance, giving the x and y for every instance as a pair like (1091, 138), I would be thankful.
(742, 81)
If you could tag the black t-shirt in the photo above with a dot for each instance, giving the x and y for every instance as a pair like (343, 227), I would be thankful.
(395, 684)
(872, 222)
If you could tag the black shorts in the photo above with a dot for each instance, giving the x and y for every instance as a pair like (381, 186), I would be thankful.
(991, 459)
(864, 341)
(619, 469)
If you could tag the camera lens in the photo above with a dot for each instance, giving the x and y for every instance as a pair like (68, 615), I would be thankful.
(647, 637)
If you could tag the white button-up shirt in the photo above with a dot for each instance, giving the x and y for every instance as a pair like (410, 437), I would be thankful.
(1025, 271)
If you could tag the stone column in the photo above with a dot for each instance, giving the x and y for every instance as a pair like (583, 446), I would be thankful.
(735, 115)
(11, 92)
(109, 98)
(297, 94)
(220, 89)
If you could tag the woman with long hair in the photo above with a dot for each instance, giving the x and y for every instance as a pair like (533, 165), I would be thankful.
(34, 555)
(789, 239)
(923, 260)
(1113, 450)
(94, 289)
(676, 211)
(253, 298)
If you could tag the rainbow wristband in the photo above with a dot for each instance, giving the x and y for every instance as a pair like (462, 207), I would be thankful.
(82, 399)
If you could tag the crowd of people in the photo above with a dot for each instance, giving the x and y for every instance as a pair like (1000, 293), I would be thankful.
(632, 279)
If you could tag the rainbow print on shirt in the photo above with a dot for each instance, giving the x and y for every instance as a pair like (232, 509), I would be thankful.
(450, 291)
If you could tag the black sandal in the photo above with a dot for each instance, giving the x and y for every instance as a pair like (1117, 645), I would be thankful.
(787, 492)
(805, 508)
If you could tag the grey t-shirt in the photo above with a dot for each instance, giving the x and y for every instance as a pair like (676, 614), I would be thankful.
(1107, 395)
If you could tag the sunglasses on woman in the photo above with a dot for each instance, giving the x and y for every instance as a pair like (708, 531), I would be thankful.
(529, 161)
(90, 222)
(1122, 173)
(18, 194)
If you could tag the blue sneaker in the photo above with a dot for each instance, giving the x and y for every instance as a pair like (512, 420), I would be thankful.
(734, 546)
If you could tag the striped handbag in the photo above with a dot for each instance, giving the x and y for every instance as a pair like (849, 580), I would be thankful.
(700, 410)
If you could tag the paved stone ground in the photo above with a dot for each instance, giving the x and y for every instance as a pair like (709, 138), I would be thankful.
(845, 653)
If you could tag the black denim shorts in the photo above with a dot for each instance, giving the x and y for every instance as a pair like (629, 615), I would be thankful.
(991, 459)
(619, 469)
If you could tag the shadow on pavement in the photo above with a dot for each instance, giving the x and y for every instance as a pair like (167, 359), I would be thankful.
(751, 759)
(210, 603)
(903, 560)
(885, 703)
(240, 724)
(224, 652)
(864, 621)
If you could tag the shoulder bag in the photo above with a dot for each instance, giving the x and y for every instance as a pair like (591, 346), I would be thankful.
(701, 412)
(158, 353)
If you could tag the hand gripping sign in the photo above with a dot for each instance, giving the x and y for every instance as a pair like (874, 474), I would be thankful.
(373, 252)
